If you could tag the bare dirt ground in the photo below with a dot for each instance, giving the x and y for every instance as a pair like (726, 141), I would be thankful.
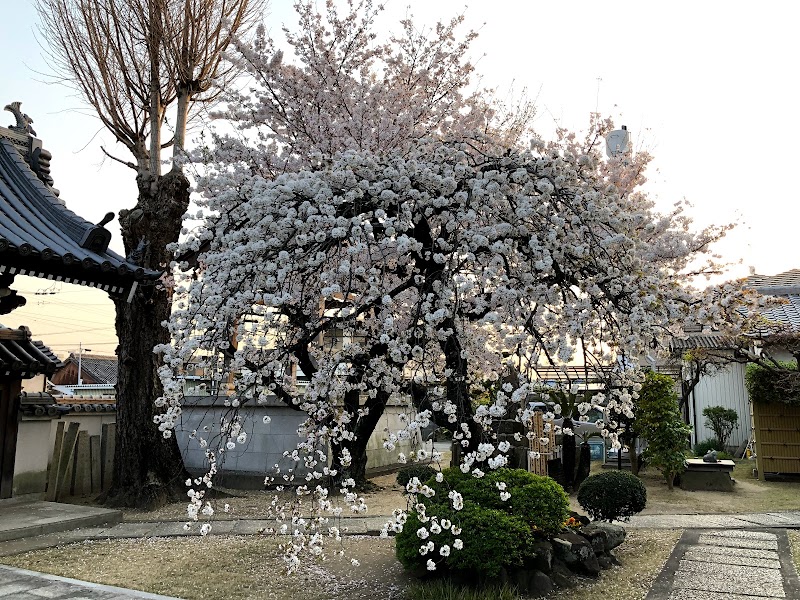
(240, 568)
(237, 568)
(749, 496)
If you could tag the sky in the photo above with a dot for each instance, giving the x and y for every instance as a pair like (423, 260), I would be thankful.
(710, 88)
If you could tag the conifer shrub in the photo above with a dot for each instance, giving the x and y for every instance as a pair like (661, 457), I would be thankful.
(612, 496)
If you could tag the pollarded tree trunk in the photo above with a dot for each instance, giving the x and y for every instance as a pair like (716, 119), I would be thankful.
(148, 469)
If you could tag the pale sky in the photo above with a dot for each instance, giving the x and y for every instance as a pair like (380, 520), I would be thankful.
(710, 88)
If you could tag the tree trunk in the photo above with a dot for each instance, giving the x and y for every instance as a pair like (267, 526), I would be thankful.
(584, 464)
(148, 469)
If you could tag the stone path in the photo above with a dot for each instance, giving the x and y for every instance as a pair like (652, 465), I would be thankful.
(728, 565)
(20, 584)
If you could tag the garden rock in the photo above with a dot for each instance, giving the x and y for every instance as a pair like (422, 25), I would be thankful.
(605, 536)
(543, 558)
(576, 552)
(561, 575)
(605, 562)
(539, 584)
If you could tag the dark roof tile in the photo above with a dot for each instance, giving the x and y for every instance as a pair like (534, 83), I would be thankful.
(41, 237)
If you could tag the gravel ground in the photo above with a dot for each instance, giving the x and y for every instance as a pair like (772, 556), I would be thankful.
(240, 568)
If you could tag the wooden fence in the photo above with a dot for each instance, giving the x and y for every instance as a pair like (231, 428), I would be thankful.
(777, 434)
(81, 465)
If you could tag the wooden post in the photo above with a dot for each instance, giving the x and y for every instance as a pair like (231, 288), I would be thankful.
(83, 466)
(9, 428)
(52, 470)
(759, 448)
(95, 459)
(107, 443)
(64, 478)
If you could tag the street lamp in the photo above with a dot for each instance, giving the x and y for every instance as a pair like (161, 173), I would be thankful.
(81, 350)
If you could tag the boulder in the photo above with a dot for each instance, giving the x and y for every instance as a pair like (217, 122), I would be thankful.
(543, 556)
(605, 535)
(539, 584)
(576, 552)
(561, 575)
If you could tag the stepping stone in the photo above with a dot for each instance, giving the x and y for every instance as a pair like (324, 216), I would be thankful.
(730, 542)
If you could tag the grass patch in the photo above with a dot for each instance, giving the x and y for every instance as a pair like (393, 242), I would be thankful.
(240, 568)
(446, 590)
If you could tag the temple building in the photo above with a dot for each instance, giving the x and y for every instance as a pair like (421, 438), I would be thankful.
(41, 237)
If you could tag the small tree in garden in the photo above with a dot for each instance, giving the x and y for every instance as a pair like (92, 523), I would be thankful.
(722, 421)
(659, 421)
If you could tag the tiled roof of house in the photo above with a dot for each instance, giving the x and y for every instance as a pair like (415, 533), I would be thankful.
(710, 340)
(22, 357)
(102, 369)
(41, 237)
(783, 285)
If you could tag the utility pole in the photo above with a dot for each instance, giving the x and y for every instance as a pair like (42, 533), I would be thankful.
(81, 350)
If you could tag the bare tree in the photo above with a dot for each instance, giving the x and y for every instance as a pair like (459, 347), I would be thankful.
(133, 61)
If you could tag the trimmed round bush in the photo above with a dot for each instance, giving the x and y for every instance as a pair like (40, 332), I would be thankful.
(421, 471)
(612, 496)
(492, 539)
(496, 532)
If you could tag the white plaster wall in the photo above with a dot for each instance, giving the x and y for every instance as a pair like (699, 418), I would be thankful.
(377, 456)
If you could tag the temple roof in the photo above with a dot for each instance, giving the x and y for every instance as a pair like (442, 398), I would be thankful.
(21, 357)
(41, 237)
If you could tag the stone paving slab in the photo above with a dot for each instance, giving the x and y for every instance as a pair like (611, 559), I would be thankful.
(714, 565)
(707, 583)
(781, 520)
(742, 534)
(738, 543)
(732, 558)
(700, 595)
(27, 519)
(725, 552)
(732, 573)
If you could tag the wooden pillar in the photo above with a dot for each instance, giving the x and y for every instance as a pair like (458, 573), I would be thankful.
(9, 427)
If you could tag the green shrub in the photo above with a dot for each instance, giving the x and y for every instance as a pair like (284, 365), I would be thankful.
(612, 496)
(495, 532)
(722, 421)
(492, 539)
(773, 385)
(421, 471)
(538, 500)
(702, 448)
(659, 421)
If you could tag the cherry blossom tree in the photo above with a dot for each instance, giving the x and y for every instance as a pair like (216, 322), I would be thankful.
(377, 228)
(440, 266)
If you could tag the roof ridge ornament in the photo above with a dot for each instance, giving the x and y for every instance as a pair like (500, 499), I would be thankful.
(34, 154)
(23, 121)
